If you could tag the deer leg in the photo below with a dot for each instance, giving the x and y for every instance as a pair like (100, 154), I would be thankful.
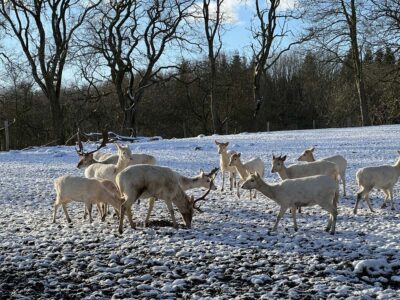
(343, 176)
(55, 211)
(386, 192)
(171, 212)
(293, 209)
(391, 198)
(129, 214)
(237, 189)
(333, 216)
(85, 213)
(64, 206)
(279, 217)
(126, 208)
(368, 202)
(223, 181)
(359, 195)
(89, 210)
(149, 210)
(121, 218)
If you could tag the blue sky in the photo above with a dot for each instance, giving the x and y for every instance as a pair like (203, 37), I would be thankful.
(240, 14)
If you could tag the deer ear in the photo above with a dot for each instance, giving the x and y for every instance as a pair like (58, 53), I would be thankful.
(283, 158)
(216, 143)
(312, 149)
(256, 174)
(227, 143)
(238, 155)
(273, 156)
(201, 172)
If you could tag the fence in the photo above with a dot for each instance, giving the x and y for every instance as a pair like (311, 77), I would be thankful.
(5, 136)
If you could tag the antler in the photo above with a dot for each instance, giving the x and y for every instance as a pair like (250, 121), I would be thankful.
(213, 174)
(79, 142)
(104, 142)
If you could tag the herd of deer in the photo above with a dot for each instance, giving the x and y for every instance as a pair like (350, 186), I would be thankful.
(120, 180)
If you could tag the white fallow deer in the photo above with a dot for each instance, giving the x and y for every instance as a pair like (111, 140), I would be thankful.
(88, 158)
(245, 169)
(90, 191)
(303, 170)
(205, 180)
(224, 157)
(308, 156)
(110, 171)
(381, 177)
(145, 181)
(292, 193)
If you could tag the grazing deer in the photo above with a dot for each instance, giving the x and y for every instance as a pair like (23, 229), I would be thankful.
(187, 183)
(153, 181)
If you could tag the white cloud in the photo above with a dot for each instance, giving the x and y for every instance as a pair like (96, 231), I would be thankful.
(288, 4)
(229, 9)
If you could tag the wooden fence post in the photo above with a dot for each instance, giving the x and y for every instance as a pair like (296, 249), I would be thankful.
(267, 126)
(7, 135)
(313, 124)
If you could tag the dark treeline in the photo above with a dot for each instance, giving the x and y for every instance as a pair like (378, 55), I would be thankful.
(298, 91)
(108, 65)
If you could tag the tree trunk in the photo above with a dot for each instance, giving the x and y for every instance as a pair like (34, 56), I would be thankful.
(129, 126)
(57, 119)
(359, 76)
(257, 97)
(362, 97)
(217, 126)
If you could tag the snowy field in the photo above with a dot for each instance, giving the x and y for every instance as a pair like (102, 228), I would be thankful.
(228, 253)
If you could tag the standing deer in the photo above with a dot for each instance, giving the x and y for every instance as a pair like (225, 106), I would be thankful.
(308, 156)
(224, 157)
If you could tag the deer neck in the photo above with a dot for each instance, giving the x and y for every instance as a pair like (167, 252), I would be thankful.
(241, 170)
(188, 183)
(112, 201)
(267, 189)
(224, 158)
(397, 166)
(121, 164)
(283, 173)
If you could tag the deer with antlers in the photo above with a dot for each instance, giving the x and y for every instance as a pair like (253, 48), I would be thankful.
(205, 180)
(145, 181)
(87, 159)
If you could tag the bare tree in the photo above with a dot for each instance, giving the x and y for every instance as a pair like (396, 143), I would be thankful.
(132, 36)
(269, 30)
(336, 28)
(213, 20)
(385, 15)
(44, 30)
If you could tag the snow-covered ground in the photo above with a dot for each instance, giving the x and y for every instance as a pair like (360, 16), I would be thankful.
(228, 253)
